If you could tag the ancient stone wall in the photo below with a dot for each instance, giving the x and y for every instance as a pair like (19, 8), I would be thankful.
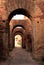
(36, 10)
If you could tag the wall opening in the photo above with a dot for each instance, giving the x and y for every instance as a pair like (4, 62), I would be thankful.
(18, 41)
(19, 12)
(16, 19)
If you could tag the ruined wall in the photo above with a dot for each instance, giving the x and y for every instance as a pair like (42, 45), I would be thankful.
(36, 10)
(38, 30)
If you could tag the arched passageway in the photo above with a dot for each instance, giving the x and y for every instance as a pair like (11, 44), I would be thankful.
(19, 31)
(34, 28)
(24, 23)
(19, 11)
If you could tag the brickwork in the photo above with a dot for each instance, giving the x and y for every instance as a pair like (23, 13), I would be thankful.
(36, 9)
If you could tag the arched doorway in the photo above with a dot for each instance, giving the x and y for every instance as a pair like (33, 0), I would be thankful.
(19, 31)
(17, 23)
(19, 11)
(18, 40)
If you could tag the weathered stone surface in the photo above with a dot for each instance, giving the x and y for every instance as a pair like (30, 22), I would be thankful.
(36, 9)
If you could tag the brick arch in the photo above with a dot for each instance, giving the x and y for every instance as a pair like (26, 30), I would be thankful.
(12, 5)
(21, 32)
(22, 11)
(18, 26)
